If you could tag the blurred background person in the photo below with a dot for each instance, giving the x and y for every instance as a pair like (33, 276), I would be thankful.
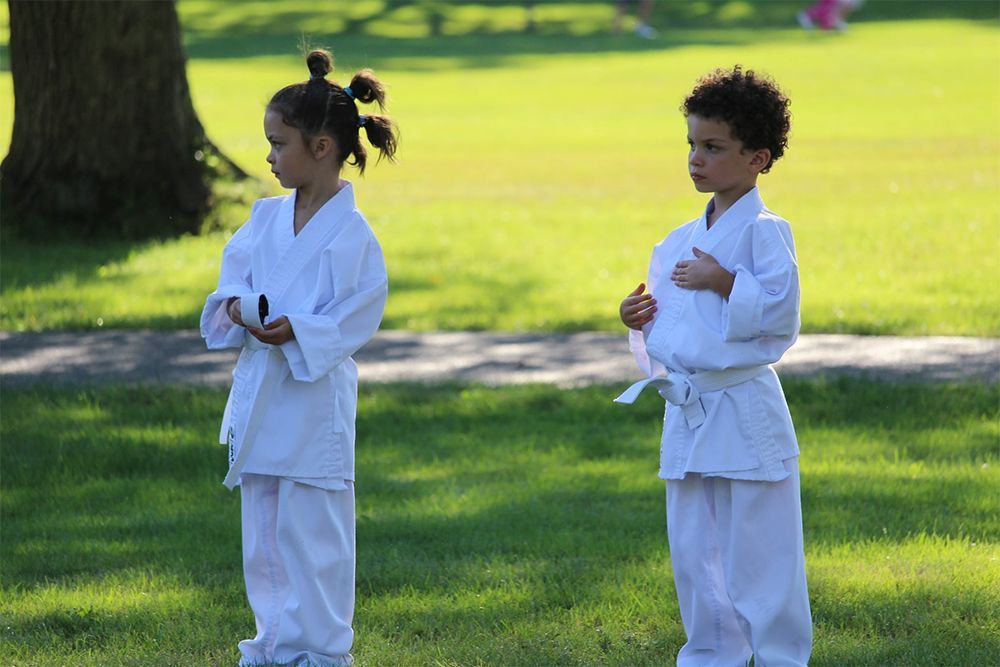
(828, 14)
(643, 27)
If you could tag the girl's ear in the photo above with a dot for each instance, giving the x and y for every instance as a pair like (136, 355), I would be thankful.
(322, 146)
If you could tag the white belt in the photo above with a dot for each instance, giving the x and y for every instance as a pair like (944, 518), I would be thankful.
(272, 375)
(685, 390)
(252, 343)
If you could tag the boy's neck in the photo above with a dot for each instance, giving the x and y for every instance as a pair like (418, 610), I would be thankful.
(722, 201)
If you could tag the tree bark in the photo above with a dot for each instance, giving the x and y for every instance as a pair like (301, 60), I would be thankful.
(106, 141)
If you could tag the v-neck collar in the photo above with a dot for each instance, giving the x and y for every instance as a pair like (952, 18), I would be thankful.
(749, 205)
(333, 207)
(296, 249)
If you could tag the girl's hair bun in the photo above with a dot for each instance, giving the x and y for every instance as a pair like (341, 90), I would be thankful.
(320, 63)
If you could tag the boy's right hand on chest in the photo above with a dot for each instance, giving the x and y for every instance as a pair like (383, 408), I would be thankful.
(233, 310)
(637, 309)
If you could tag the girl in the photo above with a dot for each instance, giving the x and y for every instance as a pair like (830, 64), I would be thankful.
(302, 287)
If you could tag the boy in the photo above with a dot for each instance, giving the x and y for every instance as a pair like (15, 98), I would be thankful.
(723, 304)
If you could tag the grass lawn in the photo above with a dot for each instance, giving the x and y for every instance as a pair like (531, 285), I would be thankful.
(537, 170)
(516, 526)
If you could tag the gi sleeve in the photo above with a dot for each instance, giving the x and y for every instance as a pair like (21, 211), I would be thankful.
(325, 339)
(234, 280)
(765, 297)
(637, 339)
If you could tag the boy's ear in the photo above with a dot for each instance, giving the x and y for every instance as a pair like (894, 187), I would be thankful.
(759, 159)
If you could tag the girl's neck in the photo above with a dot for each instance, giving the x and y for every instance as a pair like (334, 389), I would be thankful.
(312, 197)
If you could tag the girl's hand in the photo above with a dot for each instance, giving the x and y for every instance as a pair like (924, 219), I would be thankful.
(274, 333)
(233, 310)
(637, 308)
(703, 272)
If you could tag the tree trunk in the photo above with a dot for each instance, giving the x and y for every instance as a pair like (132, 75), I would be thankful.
(106, 141)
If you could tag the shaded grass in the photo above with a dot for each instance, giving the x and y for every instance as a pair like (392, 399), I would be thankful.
(516, 526)
(537, 171)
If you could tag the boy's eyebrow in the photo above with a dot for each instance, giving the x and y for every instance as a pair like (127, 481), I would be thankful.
(719, 139)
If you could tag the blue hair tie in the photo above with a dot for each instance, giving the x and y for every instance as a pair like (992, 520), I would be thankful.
(361, 120)
(318, 77)
(349, 92)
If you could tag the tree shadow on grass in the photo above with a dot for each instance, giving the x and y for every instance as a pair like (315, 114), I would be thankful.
(31, 266)
(527, 459)
(458, 52)
(545, 499)
(483, 35)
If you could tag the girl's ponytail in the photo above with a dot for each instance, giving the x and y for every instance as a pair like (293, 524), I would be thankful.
(367, 88)
(383, 134)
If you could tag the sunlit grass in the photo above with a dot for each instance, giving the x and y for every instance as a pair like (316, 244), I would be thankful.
(537, 171)
(519, 526)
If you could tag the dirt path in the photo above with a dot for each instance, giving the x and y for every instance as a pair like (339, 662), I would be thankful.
(489, 358)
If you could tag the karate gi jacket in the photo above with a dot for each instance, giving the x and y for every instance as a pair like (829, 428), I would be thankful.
(748, 430)
(330, 281)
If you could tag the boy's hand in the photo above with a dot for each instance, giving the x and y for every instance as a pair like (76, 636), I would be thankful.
(233, 310)
(703, 272)
(274, 333)
(637, 308)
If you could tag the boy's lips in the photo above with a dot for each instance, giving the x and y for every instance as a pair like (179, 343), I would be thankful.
(697, 177)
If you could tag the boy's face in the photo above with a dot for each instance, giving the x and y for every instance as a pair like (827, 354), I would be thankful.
(717, 161)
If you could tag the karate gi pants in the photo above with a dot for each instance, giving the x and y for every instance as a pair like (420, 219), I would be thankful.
(298, 562)
(739, 569)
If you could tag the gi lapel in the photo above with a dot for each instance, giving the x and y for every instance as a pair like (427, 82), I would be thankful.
(263, 243)
(705, 239)
(313, 238)
(671, 307)
(747, 206)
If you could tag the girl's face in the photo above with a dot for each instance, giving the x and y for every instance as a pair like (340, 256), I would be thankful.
(717, 162)
(293, 162)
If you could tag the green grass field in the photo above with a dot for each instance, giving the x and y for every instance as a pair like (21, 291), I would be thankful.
(537, 170)
(519, 526)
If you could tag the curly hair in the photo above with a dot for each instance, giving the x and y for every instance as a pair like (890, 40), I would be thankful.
(752, 105)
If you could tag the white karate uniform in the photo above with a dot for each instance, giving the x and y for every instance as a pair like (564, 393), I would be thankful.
(290, 417)
(733, 510)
